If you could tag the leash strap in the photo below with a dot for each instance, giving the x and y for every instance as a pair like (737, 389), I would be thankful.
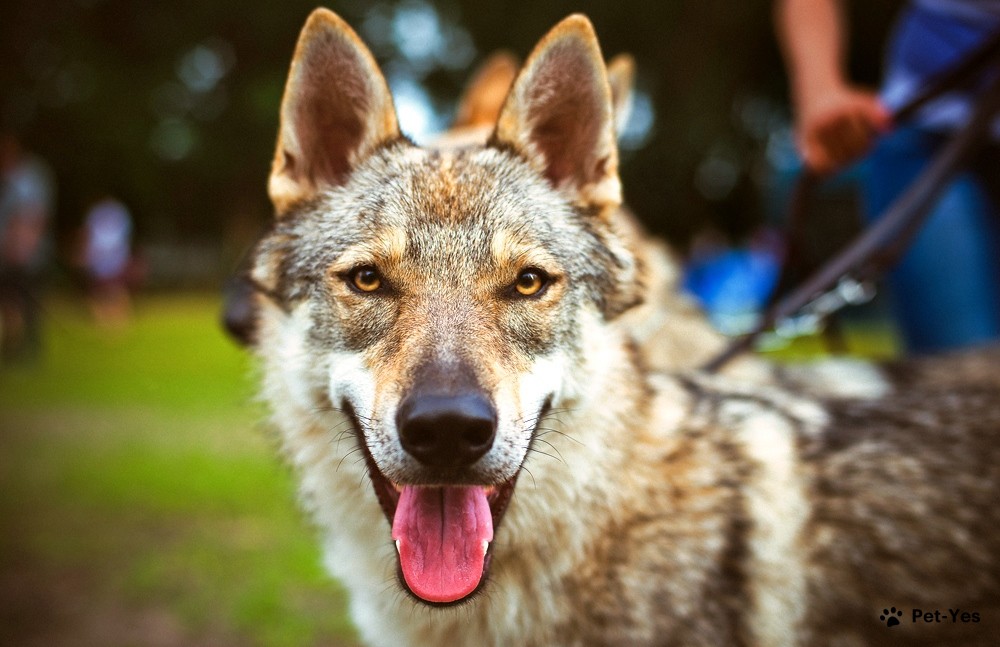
(843, 280)
(796, 267)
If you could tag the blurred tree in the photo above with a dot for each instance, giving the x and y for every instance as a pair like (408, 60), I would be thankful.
(172, 106)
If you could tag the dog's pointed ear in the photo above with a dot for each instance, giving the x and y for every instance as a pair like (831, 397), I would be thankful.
(336, 109)
(559, 115)
(484, 97)
(621, 78)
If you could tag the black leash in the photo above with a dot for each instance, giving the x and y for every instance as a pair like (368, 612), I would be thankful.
(846, 279)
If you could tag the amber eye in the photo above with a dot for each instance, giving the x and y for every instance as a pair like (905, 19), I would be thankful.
(530, 282)
(366, 279)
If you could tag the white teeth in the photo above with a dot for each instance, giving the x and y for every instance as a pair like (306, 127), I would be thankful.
(397, 545)
(486, 546)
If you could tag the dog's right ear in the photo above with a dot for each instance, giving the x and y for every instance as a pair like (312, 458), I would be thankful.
(336, 110)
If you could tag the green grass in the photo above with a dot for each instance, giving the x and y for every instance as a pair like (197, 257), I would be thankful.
(138, 488)
(869, 339)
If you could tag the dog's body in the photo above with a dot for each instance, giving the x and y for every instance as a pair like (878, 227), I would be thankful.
(431, 323)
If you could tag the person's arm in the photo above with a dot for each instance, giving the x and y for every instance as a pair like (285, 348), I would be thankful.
(835, 122)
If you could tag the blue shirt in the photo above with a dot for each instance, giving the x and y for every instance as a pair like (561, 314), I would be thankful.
(931, 36)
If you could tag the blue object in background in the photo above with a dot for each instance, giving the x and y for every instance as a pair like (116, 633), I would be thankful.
(733, 285)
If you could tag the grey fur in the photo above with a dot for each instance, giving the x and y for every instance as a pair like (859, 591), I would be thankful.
(656, 509)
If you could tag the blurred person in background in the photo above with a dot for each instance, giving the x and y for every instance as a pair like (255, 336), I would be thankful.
(106, 260)
(946, 289)
(26, 198)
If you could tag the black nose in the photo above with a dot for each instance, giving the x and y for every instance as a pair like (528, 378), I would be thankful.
(446, 431)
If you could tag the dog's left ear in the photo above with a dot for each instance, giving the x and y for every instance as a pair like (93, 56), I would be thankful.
(559, 115)
(621, 78)
(336, 110)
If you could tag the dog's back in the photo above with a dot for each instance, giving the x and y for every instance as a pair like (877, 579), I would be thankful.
(780, 520)
(903, 498)
(902, 492)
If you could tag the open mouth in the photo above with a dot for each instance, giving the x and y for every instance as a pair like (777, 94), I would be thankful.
(443, 533)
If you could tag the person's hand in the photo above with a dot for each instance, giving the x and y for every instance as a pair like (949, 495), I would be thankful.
(838, 126)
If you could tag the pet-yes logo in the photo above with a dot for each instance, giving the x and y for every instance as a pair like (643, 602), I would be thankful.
(891, 616)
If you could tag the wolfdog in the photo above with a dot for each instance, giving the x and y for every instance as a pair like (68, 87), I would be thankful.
(482, 442)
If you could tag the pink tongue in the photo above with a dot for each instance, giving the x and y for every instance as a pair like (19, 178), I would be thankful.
(440, 533)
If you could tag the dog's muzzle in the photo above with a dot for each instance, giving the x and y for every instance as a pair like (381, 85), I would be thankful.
(443, 523)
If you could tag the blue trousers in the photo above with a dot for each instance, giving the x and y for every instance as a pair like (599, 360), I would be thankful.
(946, 291)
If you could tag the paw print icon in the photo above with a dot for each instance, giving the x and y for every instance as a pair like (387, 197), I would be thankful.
(891, 616)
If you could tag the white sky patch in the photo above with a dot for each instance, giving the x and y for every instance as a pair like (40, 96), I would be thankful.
(639, 127)
(417, 117)
(417, 31)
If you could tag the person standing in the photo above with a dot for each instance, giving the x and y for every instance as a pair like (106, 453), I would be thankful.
(107, 260)
(946, 289)
(26, 198)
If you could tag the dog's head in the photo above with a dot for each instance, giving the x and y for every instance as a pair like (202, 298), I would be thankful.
(441, 299)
